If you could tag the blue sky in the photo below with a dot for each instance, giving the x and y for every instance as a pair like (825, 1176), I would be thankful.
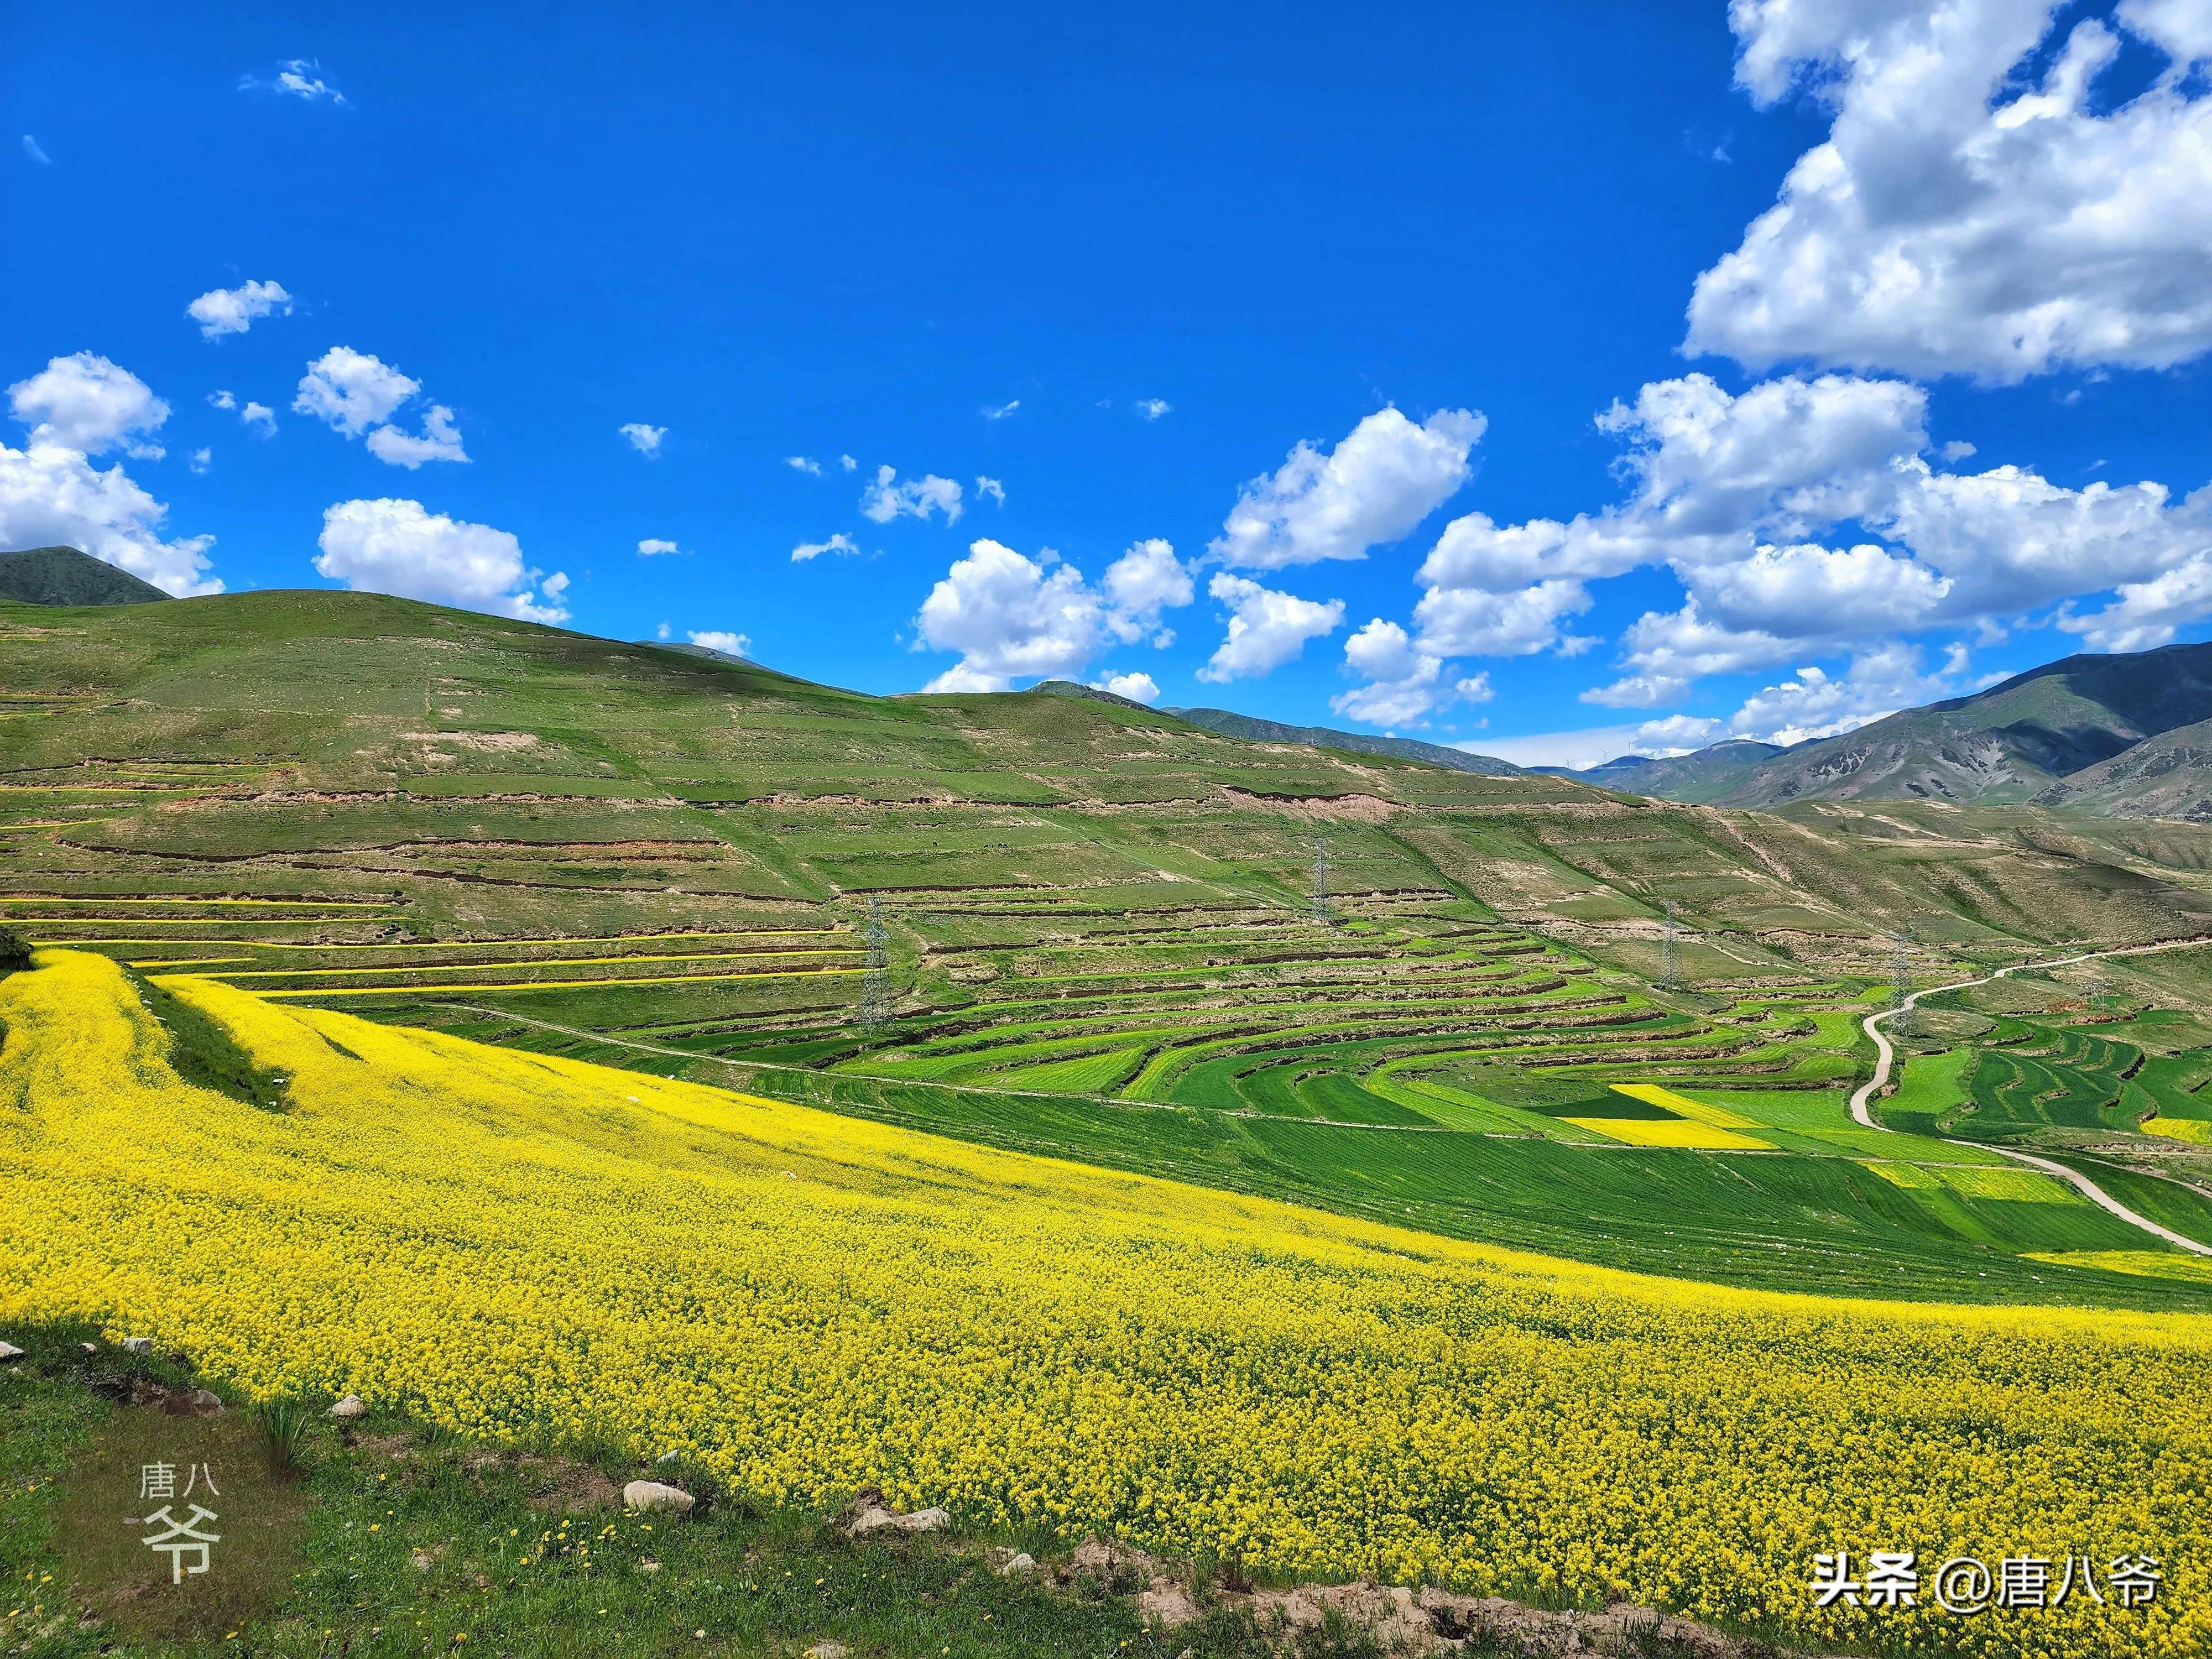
(1123, 267)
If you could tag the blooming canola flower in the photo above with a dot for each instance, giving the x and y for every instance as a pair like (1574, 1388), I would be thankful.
(528, 1248)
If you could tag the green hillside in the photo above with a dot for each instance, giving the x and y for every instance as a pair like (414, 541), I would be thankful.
(1705, 775)
(1255, 729)
(2167, 776)
(1072, 924)
(62, 575)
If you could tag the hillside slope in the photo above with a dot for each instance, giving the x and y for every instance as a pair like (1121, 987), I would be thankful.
(1255, 730)
(2022, 740)
(62, 575)
(492, 770)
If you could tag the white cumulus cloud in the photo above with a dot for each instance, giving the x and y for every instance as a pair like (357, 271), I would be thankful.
(1138, 687)
(222, 310)
(992, 488)
(646, 440)
(1010, 616)
(388, 546)
(352, 391)
(1150, 408)
(729, 644)
(439, 441)
(1386, 476)
(1980, 206)
(85, 402)
(1405, 684)
(917, 498)
(1266, 628)
(653, 547)
(813, 469)
(52, 495)
(258, 418)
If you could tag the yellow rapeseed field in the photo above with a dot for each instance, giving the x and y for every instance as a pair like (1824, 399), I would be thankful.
(523, 1247)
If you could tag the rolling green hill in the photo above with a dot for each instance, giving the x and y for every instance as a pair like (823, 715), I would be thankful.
(62, 575)
(2057, 735)
(1075, 924)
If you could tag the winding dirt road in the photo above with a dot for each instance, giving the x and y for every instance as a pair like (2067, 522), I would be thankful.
(1885, 1055)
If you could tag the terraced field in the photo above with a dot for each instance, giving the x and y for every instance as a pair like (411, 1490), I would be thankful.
(1100, 939)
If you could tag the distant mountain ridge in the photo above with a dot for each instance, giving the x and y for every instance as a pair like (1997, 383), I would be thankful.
(2121, 735)
(1255, 729)
(69, 575)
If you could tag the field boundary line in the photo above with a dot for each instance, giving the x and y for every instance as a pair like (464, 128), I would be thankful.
(1885, 1055)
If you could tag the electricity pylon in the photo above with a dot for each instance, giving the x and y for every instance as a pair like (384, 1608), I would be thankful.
(1670, 965)
(1320, 883)
(1900, 983)
(876, 983)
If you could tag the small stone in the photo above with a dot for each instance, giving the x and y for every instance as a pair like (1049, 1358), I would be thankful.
(646, 1564)
(1020, 1567)
(351, 1406)
(137, 1345)
(9, 1351)
(89, 1347)
(667, 1457)
(652, 1494)
(206, 1401)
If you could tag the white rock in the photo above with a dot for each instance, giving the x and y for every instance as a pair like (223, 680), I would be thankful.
(1020, 1567)
(9, 1351)
(137, 1345)
(826, 1651)
(929, 1520)
(351, 1406)
(653, 1495)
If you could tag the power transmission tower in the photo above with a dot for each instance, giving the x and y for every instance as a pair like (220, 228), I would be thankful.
(876, 983)
(1900, 983)
(1670, 966)
(1320, 883)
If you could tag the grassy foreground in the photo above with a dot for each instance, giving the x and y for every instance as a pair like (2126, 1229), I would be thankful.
(525, 1249)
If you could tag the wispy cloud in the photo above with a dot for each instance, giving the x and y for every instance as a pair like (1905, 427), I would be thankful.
(296, 77)
(1000, 411)
(31, 148)
(1151, 409)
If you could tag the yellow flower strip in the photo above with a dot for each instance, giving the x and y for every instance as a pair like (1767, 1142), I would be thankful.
(522, 1246)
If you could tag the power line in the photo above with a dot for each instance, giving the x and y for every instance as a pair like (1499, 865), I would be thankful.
(876, 983)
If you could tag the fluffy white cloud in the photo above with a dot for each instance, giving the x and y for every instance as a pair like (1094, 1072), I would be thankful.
(1816, 704)
(388, 546)
(1007, 616)
(729, 644)
(52, 495)
(1469, 622)
(1979, 206)
(1677, 734)
(1138, 687)
(202, 458)
(917, 498)
(646, 440)
(222, 310)
(1406, 685)
(840, 542)
(1150, 408)
(848, 463)
(1010, 616)
(223, 400)
(813, 469)
(295, 77)
(1740, 496)
(1266, 628)
(352, 391)
(2145, 614)
(439, 441)
(1143, 582)
(992, 488)
(1384, 478)
(258, 418)
(653, 547)
(85, 402)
